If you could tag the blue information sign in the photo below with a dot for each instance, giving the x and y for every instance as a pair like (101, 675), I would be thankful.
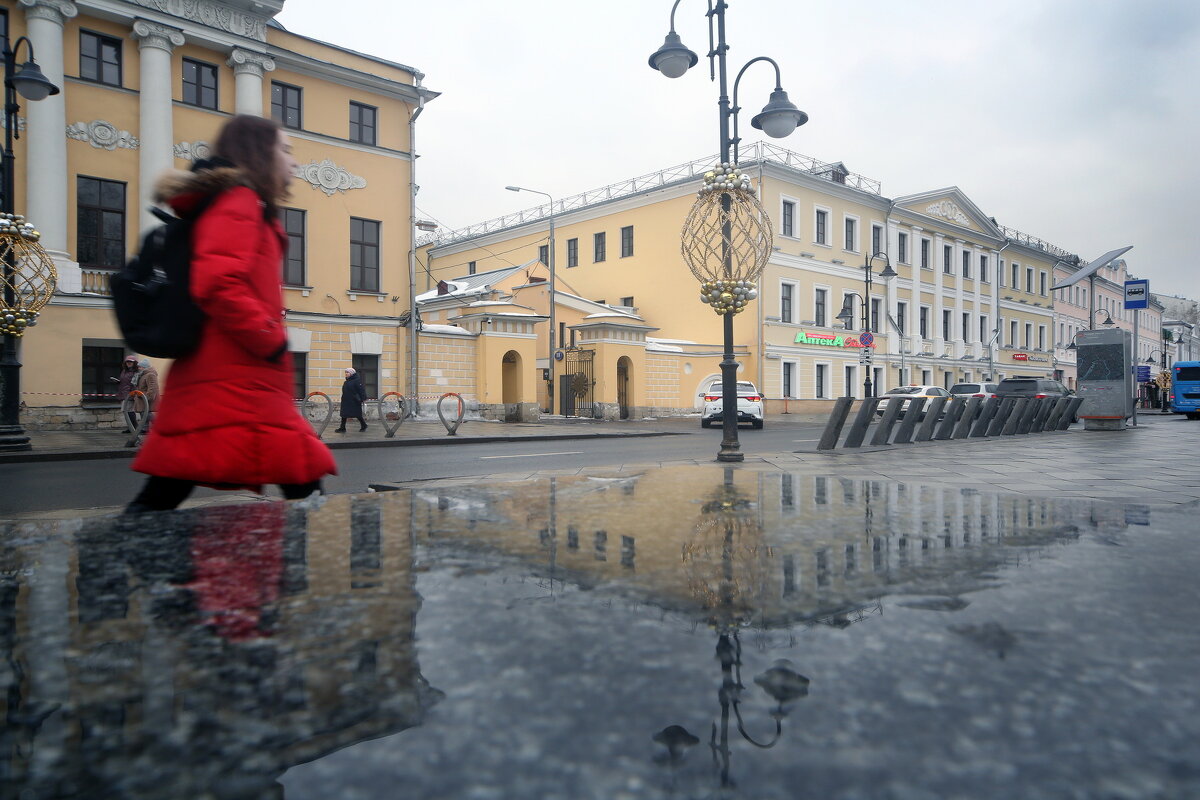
(1143, 373)
(1137, 294)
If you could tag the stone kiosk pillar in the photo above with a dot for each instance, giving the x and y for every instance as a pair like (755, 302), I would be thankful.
(46, 142)
(156, 153)
(248, 68)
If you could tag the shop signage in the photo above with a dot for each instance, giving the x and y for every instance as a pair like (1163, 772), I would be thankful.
(831, 340)
(1020, 356)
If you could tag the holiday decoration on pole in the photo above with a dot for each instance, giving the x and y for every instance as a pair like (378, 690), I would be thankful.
(726, 239)
(29, 276)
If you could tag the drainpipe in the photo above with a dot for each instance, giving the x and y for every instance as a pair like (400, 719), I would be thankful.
(412, 247)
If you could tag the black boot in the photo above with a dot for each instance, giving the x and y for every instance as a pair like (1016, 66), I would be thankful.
(363, 424)
(342, 428)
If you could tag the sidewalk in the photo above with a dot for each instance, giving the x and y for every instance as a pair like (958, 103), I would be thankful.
(99, 444)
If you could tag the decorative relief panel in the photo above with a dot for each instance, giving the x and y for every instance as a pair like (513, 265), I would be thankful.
(193, 151)
(947, 209)
(214, 15)
(102, 135)
(329, 177)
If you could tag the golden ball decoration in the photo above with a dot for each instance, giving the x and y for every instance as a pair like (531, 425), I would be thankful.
(727, 268)
(29, 276)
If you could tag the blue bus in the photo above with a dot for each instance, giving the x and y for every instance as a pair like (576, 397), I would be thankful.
(1185, 388)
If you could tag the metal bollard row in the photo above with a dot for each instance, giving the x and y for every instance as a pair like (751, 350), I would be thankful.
(948, 418)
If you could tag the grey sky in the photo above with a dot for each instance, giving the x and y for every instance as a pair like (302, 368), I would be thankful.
(1072, 120)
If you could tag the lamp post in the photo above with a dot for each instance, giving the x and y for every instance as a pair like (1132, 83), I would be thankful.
(727, 285)
(28, 81)
(1108, 320)
(553, 299)
(846, 315)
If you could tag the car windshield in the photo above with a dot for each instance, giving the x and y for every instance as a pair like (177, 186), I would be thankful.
(905, 390)
(965, 388)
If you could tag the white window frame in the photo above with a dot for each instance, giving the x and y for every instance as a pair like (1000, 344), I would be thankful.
(924, 240)
(1041, 342)
(828, 294)
(929, 321)
(906, 256)
(795, 287)
(852, 389)
(828, 217)
(795, 234)
(877, 226)
(783, 365)
(851, 247)
(825, 390)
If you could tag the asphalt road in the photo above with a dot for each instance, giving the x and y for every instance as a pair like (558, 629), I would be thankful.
(58, 485)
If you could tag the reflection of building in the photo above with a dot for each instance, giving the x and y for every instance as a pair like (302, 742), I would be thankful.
(806, 548)
(206, 659)
(145, 87)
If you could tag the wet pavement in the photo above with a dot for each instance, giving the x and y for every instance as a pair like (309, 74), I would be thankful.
(683, 631)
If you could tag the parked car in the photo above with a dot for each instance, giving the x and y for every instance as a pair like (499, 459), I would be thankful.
(902, 394)
(749, 404)
(965, 390)
(1032, 387)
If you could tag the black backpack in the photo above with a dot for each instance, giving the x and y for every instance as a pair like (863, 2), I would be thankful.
(151, 294)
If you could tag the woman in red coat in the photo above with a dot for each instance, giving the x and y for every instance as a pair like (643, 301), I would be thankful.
(226, 417)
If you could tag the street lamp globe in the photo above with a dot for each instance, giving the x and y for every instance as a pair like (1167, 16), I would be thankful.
(673, 59)
(779, 116)
(30, 83)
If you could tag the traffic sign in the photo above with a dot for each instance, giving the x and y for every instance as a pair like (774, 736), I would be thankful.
(1137, 294)
(866, 339)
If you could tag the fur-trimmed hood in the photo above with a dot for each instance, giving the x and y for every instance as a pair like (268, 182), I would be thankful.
(183, 190)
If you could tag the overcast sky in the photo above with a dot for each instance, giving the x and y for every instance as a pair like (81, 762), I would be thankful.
(1076, 121)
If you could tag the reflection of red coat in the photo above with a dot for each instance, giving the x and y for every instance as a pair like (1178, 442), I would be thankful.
(237, 562)
(226, 415)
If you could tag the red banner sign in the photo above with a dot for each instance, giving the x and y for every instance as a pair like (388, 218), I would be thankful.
(1020, 356)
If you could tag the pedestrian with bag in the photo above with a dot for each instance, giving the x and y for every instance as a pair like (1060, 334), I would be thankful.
(128, 376)
(353, 396)
(226, 417)
(146, 382)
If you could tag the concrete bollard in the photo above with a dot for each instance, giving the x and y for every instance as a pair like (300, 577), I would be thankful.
(985, 417)
(908, 425)
(884, 429)
(1060, 405)
(862, 420)
(954, 410)
(1014, 416)
(1031, 410)
(833, 428)
(925, 432)
(1003, 411)
(1069, 415)
(967, 418)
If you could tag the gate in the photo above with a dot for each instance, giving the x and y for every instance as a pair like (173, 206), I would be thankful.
(576, 383)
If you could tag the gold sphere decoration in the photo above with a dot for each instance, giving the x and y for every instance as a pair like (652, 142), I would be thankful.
(29, 275)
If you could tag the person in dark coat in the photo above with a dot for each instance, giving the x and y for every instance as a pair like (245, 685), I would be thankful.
(353, 395)
(125, 385)
(226, 417)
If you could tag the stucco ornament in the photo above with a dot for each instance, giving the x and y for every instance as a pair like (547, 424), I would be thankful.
(213, 15)
(329, 177)
(102, 135)
(193, 151)
(948, 210)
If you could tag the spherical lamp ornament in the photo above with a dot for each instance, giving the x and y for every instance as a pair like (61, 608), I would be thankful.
(30, 280)
(726, 239)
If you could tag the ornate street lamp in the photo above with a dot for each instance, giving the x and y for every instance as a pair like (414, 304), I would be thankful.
(846, 315)
(727, 236)
(28, 275)
(553, 298)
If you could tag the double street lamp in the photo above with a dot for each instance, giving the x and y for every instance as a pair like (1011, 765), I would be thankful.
(553, 330)
(846, 315)
(28, 81)
(728, 277)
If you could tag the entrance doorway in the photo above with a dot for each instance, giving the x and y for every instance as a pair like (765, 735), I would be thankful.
(624, 367)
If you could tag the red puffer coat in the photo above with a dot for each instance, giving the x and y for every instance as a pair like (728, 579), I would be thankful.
(226, 416)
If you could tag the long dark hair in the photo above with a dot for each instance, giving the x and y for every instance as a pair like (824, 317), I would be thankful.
(248, 142)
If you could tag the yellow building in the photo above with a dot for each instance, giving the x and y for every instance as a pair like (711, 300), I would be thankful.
(971, 299)
(145, 87)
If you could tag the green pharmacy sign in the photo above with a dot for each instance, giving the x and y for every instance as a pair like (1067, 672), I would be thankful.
(829, 340)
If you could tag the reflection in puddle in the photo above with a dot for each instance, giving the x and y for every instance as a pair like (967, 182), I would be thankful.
(208, 652)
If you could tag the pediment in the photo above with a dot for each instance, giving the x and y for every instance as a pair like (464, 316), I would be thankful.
(949, 206)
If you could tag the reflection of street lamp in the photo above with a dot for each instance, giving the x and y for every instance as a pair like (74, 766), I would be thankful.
(550, 360)
(846, 315)
(28, 81)
(727, 206)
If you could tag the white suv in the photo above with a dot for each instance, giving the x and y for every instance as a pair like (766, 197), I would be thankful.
(749, 404)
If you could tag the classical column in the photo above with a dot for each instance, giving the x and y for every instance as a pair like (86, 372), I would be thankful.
(155, 132)
(46, 138)
(248, 68)
(939, 335)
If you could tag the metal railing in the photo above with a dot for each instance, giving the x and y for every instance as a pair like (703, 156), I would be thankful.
(1039, 244)
(751, 156)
